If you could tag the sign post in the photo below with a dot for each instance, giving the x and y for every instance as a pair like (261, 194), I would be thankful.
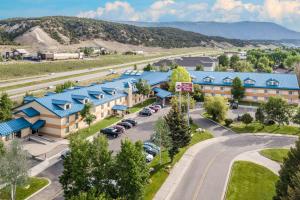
(185, 87)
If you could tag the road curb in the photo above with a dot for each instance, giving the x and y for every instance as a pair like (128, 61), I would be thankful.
(49, 182)
(178, 171)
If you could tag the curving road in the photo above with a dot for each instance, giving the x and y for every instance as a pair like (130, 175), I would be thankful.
(206, 177)
(202, 173)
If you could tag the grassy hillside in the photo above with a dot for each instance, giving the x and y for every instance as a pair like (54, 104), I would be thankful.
(80, 29)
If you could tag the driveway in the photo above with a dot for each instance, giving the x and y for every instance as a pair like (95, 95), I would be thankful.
(142, 131)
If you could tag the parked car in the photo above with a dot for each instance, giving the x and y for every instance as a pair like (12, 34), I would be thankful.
(148, 157)
(126, 125)
(112, 132)
(154, 108)
(157, 106)
(145, 112)
(149, 109)
(64, 154)
(150, 150)
(120, 129)
(131, 121)
(234, 105)
(152, 145)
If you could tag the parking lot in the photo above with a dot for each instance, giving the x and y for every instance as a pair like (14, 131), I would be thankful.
(142, 131)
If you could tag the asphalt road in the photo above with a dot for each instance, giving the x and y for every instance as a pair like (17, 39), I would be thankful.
(206, 178)
(15, 93)
(142, 132)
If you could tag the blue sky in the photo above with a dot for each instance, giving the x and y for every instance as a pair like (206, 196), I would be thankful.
(284, 12)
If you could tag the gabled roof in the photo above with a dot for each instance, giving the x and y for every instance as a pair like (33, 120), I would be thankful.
(38, 124)
(162, 93)
(79, 97)
(13, 126)
(30, 112)
(60, 102)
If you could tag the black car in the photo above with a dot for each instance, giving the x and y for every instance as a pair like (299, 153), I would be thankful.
(131, 121)
(145, 112)
(126, 125)
(110, 132)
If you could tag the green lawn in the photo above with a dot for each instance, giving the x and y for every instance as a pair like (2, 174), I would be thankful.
(95, 128)
(277, 155)
(35, 184)
(250, 181)
(139, 106)
(23, 69)
(256, 127)
(161, 172)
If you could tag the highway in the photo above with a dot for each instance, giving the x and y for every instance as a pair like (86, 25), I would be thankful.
(92, 74)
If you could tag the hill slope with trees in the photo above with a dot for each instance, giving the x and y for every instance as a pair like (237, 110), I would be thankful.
(72, 30)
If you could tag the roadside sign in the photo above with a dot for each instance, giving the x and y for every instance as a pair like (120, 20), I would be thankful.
(184, 87)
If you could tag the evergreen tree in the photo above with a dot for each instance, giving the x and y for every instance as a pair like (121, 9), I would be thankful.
(180, 132)
(131, 171)
(259, 115)
(294, 192)
(2, 148)
(238, 90)
(224, 60)
(234, 61)
(246, 118)
(6, 106)
(288, 172)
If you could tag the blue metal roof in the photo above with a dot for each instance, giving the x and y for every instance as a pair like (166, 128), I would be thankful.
(28, 99)
(38, 124)
(153, 78)
(162, 93)
(13, 126)
(120, 107)
(51, 102)
(286, 81)
(30, 112)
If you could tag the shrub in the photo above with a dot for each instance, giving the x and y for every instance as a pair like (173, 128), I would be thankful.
(246, 118)
(228, 122)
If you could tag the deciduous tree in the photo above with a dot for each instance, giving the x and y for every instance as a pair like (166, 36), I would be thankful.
(143, 87)
(278, 110)
(224, 60)
(131, 171)
(180, 74)
(234, 61)
(6, 106)
(14, 167)
(216, 106)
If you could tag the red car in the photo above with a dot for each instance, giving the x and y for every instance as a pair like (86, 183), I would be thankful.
(120, 129)
(154, 108)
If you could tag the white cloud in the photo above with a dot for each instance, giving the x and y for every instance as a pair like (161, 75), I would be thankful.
(280, 11)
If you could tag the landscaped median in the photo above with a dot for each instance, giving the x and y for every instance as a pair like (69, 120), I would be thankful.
(257, 127)
(250, 181)
(95, 128)
(161, 171)
(34, 184)
(277, 155)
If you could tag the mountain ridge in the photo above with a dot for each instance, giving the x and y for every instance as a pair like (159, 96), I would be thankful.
(72, 30)
(244, 30)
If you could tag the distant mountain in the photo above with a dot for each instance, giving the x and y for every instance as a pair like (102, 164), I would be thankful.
(237, 30)
(48, 31)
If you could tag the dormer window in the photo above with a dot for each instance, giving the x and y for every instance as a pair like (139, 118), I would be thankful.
(113, 92)
(272, 82)
(68, 106)
(249, 81)
(208, 79)
(85, 101)
(101, 96)
(227, 80)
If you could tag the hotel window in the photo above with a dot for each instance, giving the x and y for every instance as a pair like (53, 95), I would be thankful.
(222, 88)
(67, 120)
(290, 92)
(266, 98)
(102, 107)
(277, 92)
(102, 114)
(202, 87)
(67, 130)
(76, 116)
(76, 126)
(212, 87)
(255, 98)
(254, 90)
(266, 91)
(108, 104)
